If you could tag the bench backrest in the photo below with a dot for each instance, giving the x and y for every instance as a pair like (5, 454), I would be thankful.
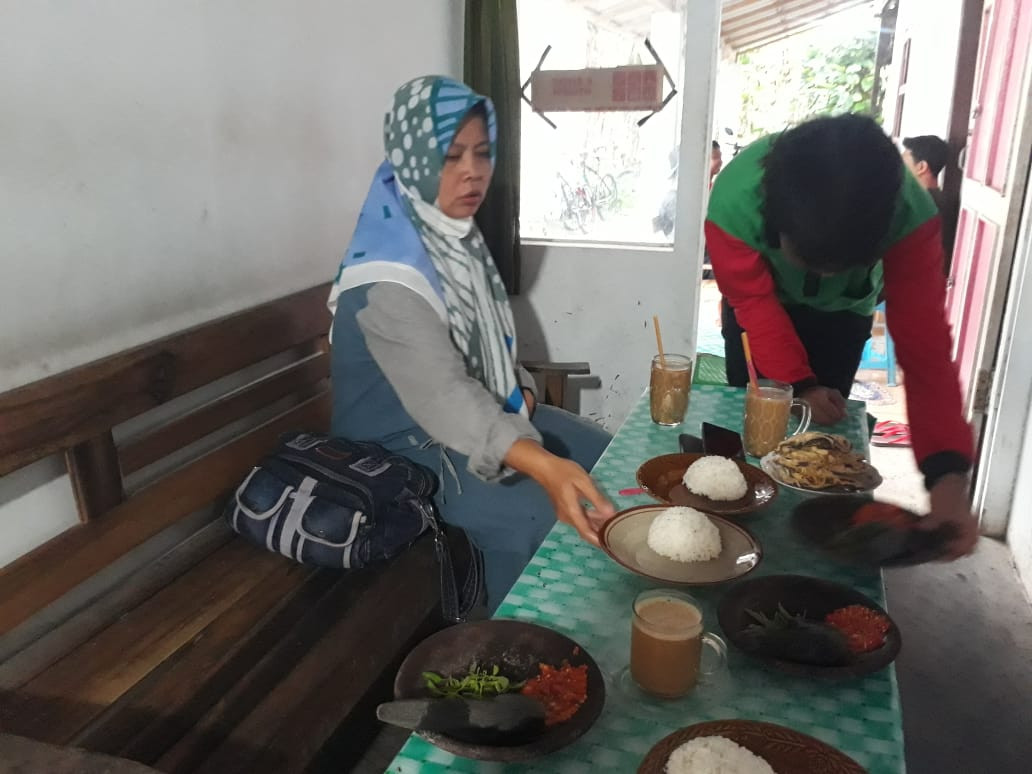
(80, 413)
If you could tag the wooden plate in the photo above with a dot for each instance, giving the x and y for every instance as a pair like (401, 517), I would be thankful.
(787, 751)
(625, 538)
(517, 648)
(816, 598)
(661, 478)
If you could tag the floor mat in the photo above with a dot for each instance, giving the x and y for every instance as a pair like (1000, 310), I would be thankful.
(709, 369)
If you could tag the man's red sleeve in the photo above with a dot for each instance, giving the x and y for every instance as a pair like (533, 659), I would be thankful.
(745, 281)
(915, 311)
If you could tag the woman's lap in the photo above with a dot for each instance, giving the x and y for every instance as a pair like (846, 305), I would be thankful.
(508, 520)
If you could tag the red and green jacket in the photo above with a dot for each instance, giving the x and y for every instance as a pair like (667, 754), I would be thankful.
(758, 282)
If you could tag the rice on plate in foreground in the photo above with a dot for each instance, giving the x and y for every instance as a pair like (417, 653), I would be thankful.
(715, 755)
(717, 478)
(684, 535)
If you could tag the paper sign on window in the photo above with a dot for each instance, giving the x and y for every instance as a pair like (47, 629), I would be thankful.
(632, 87)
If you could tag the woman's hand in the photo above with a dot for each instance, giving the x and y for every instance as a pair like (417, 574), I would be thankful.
(567, 485)
(826, 404)
(949, 501)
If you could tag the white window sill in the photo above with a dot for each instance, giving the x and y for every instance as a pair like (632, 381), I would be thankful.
(607, 245)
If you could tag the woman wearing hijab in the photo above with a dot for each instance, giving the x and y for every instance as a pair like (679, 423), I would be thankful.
(424, 345)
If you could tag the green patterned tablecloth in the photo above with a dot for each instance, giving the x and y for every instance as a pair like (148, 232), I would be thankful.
(576, 589)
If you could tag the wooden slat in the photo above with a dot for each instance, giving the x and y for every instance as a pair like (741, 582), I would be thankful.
(555, 389)
(56, 704)
(302, 379)
(213, 728)
(47, 646)
(543, 366)
(289, 705)
(95, 475)
(163, 707)
(56, 567)
(55, 413)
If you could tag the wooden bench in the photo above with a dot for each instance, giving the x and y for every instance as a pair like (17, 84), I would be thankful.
(556, 377)
(149, 631)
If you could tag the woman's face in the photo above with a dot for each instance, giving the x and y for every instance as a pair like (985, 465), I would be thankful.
(466, 171)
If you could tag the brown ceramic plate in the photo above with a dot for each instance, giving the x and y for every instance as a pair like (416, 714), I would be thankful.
(625, 538)
(814, 597)
(517, 648)
(661, 478)
(827, 524)
(787, 751)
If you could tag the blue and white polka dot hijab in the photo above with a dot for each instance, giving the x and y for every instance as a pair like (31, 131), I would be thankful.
(418, 131)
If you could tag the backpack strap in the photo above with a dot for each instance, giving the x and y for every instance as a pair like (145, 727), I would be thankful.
(456, 601)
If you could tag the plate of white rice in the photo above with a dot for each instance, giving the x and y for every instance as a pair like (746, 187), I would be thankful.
(680, 545)
(744, 747)
(707, 483)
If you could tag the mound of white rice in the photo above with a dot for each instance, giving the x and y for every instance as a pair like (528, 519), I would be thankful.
(684, 535)
(715, 755)
(717, 478)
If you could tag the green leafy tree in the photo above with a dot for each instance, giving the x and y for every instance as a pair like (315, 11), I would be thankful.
(788, 82)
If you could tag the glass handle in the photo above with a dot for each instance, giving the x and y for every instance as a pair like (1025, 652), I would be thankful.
(804, 416)
(719, 648)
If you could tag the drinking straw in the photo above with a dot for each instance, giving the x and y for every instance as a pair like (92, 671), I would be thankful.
(659, 340)
(748, 359)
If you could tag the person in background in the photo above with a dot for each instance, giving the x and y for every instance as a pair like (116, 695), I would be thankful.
(805, 230)
(664, 220)
(716, 161)
(926, 157)
(424, 356)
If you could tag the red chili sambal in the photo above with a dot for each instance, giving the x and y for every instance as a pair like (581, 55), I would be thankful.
(562, 690)
(864, 628)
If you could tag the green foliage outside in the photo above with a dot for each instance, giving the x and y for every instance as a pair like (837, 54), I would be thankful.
(788, 82)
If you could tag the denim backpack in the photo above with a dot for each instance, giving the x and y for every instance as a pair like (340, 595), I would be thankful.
(346, 505)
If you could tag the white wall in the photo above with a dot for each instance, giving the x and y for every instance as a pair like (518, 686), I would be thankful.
(1019, 530)
(934, 29)
(1004, 484)
(595, 304)
(166, 162)
(163, 163)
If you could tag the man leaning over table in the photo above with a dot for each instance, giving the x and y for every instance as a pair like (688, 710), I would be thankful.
(806, 231)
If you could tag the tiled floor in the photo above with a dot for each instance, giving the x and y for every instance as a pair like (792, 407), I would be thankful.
(965, 670)
(902, 482)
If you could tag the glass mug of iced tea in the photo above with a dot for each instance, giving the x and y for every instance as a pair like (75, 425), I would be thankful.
(768, 406)
(670, 385)
(667, 640)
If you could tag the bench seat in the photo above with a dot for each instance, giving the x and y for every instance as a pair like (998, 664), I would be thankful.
(149, 631)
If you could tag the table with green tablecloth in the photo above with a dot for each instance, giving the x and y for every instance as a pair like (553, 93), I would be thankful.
(576, 589)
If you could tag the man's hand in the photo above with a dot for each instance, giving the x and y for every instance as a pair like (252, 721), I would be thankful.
(826, 403)
(567, 485)
(950, 505)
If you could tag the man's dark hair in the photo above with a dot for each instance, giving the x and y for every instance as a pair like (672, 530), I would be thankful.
(830, 185)
(930, 149)
(715, 146)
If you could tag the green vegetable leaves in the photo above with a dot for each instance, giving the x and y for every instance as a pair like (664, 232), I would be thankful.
(782, 619)
(477, 684)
